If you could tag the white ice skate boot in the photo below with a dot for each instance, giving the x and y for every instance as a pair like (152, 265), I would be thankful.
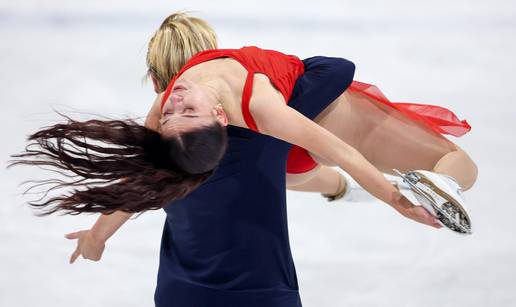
(350, 191)
(441, 195)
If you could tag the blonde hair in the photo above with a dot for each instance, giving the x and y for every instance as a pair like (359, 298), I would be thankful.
(179, 37)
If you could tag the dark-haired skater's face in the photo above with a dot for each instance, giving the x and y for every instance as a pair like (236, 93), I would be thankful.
(190, 106)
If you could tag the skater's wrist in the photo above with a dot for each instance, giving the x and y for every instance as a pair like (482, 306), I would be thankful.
(108, 224)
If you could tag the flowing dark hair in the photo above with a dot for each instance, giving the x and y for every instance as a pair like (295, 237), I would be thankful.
(112, 165)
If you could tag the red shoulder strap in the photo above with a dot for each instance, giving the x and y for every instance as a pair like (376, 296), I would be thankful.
(246, 98)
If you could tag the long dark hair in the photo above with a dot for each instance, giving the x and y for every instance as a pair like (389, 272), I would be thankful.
(111, 165)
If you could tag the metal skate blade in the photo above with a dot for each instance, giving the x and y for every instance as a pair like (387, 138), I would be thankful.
(442, 215)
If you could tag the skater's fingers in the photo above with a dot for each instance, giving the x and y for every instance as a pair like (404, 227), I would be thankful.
(427, 211)
(74, 256)
(72, 235)
(427, 218)
(432, 221)
(437, 224)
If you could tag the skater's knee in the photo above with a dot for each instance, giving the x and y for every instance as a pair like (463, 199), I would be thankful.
(458, 164)
(471, 174)
(469, 169)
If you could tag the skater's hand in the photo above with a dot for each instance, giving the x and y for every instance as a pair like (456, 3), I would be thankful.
(417, 213)
(87, 246)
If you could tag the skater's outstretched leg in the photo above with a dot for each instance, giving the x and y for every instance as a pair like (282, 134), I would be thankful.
(331, 183)
(389, 139)
(322, 179)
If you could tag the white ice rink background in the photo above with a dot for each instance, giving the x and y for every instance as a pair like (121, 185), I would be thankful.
(89, 56)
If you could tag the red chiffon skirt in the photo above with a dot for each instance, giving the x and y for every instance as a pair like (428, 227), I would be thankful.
(437, 118)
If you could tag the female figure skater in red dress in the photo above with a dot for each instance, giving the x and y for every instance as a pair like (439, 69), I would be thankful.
(225, 240)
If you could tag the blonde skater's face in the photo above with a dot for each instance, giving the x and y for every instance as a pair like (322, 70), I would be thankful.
(188, 107)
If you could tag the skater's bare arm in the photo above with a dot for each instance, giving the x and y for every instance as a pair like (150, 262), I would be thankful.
(107, 224)
(289, 125)
(91, 242)
(285, 123)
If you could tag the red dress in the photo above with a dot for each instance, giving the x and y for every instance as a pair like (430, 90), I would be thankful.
(283, 71)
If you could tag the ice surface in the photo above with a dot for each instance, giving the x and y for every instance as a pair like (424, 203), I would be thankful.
(88, 56)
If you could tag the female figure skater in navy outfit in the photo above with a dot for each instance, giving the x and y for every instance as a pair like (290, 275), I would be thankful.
(214, 152)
